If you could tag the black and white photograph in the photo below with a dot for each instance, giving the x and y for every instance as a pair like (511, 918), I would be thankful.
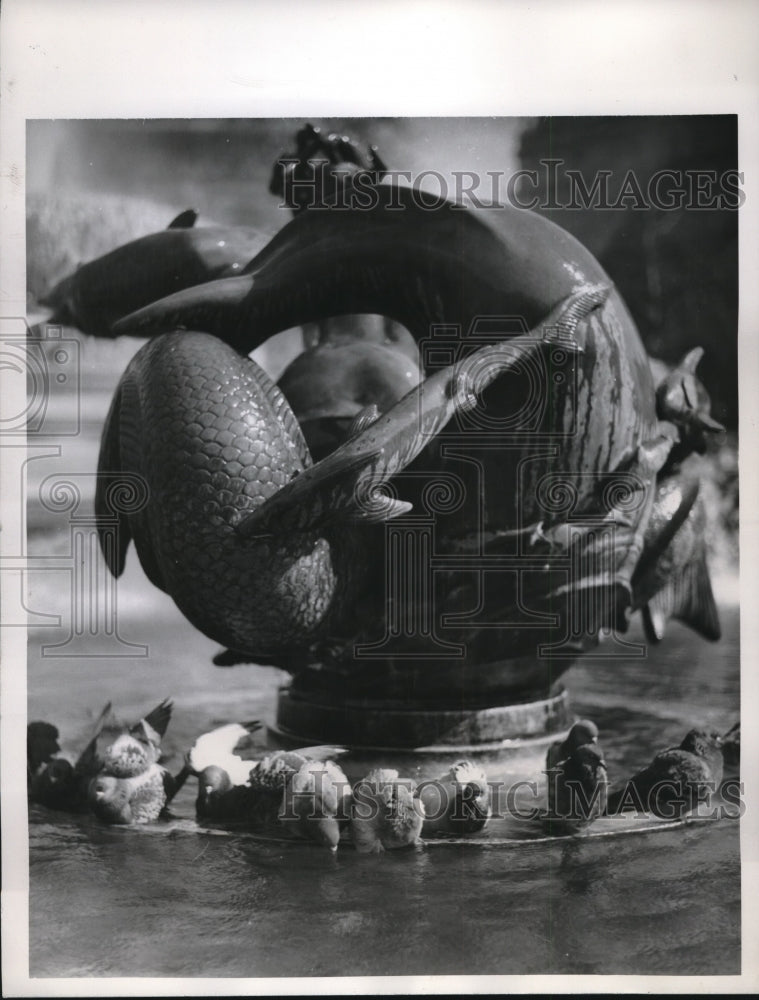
(371, 534)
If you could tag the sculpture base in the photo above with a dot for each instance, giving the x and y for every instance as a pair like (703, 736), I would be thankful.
(307, 717)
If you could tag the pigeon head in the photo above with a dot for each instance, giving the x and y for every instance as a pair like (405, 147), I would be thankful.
(41, 743)
(103, 787)
(55, 785)
(472, 791)
(109, 799)
(701, 743)
(582, 732)
(213, 780)
(59, 772)
(126, 757)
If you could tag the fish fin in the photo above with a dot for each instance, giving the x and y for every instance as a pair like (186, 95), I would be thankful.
(378, 508)
(652, 454)
(462, 390)
(656, 547)
(560, 326)
(363, 419)
(708, 423)
(109, 464)
(691, 360)
(120, 454)
(263, 520)
(654, 621)
(185, 220)
(687, 597)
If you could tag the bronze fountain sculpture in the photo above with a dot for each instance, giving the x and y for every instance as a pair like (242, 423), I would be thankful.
(446, 513)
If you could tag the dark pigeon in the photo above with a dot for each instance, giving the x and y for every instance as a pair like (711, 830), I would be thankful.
(731, 747)
(676, 780)
(577, 790)
(58, 784)
(583, 733)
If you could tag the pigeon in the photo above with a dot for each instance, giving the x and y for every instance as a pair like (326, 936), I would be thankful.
(676, 780)
(303, 790)
(387, 812)
(56, 783)
(132, 787)
(583, 733)
(220, 760)
(731, 746)
(140, 798)
(458, 802)
(315, 801)
(219, 800)
(41, 746)
(578, 787)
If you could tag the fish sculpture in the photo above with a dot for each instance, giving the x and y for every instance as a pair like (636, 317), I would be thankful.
(260, 549)
(133, 275)
(538, 401)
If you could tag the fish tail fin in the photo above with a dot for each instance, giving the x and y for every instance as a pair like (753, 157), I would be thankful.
(687, 597)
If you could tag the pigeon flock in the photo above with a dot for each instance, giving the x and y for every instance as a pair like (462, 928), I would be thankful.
(307, 793)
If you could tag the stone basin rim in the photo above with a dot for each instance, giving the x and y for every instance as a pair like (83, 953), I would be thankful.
(514, 745)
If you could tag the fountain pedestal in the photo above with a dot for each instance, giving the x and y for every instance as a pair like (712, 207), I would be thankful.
(436, 710)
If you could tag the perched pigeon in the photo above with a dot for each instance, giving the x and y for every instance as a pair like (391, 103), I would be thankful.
(221, 760)
(304, 789)
(731, 746)
(132, 787)
(315, 801)
(583, 733)
(41, 746)
(578, 788)
(676, 780)
(57, 783)
(140, 798)
(386, 813)
(220, 800)
(457, 802)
